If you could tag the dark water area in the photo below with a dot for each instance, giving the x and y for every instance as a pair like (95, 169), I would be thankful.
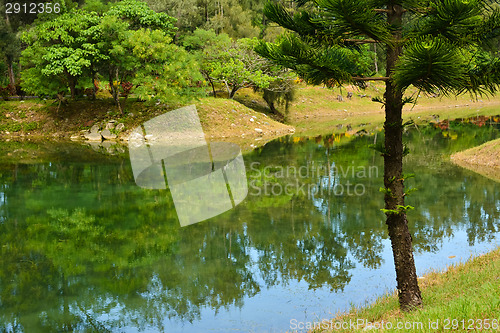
(84, 249)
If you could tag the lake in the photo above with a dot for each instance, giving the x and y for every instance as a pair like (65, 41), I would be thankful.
(84, 249)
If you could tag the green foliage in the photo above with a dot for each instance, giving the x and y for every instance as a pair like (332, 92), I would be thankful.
(386, 191)
(236, 18)
(431, 63)
(444, 43)
(60, 53)
(399, 210)
(168, 72)
(233, 63)
(139, 15)
(331, 65)
(129, 42)
(11, 127)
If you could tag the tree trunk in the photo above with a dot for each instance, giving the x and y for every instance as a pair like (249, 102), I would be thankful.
(94, 85)
(228, 90)
(213, 86)
(12, 77)
(10, 61)
(113, 75)
(72, 85)
(397, 223)
(234, 90)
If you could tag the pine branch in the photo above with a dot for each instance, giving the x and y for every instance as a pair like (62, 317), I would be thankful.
(373, 78)
(360, 41)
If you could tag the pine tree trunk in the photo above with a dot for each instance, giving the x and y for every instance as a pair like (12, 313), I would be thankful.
(397, 223)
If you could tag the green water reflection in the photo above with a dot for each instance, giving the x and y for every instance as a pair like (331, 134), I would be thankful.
(84, 249)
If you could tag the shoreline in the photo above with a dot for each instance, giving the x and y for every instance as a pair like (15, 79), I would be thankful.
(245, 120)
(475, 307)
(483, 159)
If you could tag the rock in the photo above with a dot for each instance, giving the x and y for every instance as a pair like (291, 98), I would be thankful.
(107, 135)
(110, 125)
(266, 123)
(95, 146)
(94, 129)
(120, 127)
(93, 136)
(106, 145)
(252, 120)
(258, 130)
(75, 137)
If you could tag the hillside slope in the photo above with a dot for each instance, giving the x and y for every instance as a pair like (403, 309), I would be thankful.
(484, 159)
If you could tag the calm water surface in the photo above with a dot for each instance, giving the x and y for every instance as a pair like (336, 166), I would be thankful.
(84, 249)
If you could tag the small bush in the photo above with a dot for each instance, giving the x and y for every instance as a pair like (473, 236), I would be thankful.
(30, 126)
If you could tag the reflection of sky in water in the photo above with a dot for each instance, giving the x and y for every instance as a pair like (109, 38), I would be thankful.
(2, 204)
(296, 301)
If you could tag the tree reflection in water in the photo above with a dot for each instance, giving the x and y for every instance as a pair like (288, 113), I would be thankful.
(84, 249)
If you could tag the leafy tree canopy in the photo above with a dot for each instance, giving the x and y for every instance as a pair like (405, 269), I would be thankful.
(127, 43)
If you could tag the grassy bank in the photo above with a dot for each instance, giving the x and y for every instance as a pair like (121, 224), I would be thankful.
(468, 292)
(314, 111)
(484, 159)
(317, 110)
(221, 119)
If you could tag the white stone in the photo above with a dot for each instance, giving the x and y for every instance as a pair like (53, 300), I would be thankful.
(94, 129)
(107, 135)
(120, 127)
(93, 136)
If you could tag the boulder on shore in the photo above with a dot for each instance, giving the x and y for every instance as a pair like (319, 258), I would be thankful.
(107, 135)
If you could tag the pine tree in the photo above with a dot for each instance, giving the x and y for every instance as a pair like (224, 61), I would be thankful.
(433, 45)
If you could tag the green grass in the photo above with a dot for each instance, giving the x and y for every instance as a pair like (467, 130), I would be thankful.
(460, 299)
